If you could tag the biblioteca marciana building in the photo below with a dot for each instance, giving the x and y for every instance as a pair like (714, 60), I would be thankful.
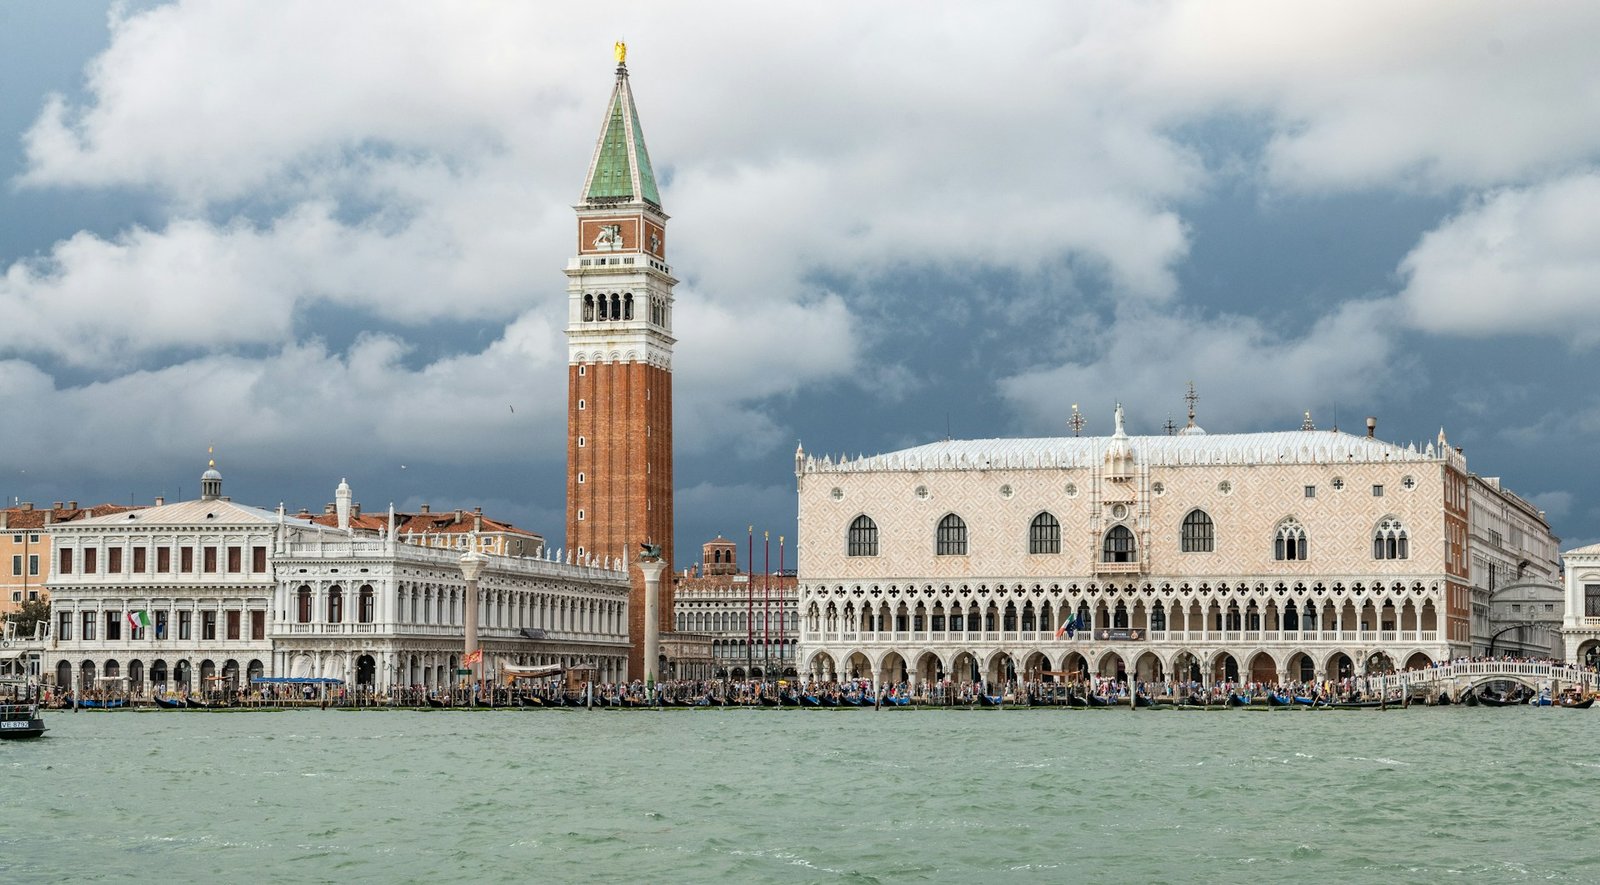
(1298, 555)
(210, 595)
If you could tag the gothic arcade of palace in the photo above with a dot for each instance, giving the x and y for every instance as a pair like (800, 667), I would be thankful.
(1280, 556)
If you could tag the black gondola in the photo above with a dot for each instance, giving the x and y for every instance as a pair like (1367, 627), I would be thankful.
(1098, 701)
(435, 703)
(193, 704)
(1238, 700)
(166, 704)
(787, 699)
(1444, 699)
(829, 701)
(769, 701)
(1470, 699)
(1584, 704)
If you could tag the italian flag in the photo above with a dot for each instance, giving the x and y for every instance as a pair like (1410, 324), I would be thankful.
(138, 619)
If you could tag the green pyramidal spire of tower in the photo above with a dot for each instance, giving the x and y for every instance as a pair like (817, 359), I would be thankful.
(620, 171)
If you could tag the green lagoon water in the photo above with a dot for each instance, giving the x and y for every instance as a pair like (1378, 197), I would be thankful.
(1425, 795)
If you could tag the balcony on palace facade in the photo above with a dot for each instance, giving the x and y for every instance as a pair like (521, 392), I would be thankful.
(455, 631)
(1168, 636)
(1120, 568)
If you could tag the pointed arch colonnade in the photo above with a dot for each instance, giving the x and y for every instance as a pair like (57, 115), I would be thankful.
(1208, 631)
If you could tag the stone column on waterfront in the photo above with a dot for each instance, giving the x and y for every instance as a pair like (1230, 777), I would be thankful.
(472, 563)
(652, 569)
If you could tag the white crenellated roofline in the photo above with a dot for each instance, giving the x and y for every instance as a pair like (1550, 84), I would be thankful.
(1278, 447)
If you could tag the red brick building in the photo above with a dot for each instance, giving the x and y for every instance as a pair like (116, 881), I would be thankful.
(619, 376)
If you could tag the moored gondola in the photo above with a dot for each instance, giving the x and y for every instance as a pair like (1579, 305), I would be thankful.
(1238, 700)
(168, 704)
(1278, 700)
(1584, 704)
(988, 700)
(1098, 701)
(435, 703)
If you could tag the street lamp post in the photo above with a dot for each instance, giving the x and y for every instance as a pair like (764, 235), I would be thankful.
(472, 564)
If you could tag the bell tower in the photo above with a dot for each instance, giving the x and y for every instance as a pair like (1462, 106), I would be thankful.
(619, 361)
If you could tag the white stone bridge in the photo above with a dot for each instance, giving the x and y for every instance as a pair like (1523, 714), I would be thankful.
(1476, 673)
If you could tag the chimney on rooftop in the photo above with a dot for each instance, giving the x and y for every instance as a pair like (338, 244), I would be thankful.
(160, 500)
(27, 505)
(1372, 427)
(327, 508)
(56, 506)
(355, 510)
(458, 516)
(72, 505)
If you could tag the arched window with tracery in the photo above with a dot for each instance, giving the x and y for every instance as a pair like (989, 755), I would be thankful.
(1291, 542)
(1198, 534)
(1044, 534)
(1119, 546)
(863, 537)
(1391, 541)
(951, 539)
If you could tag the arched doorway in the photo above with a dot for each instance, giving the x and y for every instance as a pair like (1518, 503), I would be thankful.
(255, 671)
(1186, 667)
(1075, 665)
(1225, 668)
(821, 667)
(964, 668)
(737, 674)
(1263, 668)
(366, 671)
(1301, 667)
(158, 673)
(111, 670)
(892, 669)
(1379, 664)
(136, 675)
(86, 674)
(856, 666)
(1000, 669)
(63, 674)
(1147, 668)
(208, 669)
(929, 668)
(182, 674)
(1111, 666)
(230, 673)
(1418, 661)
(1340, 666)
(1034, 667)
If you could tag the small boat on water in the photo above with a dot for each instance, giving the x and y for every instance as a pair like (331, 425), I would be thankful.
(1584, 704)
(1098, 701)
(988, 700)
(810, 700)
(1279, 700)
(101, 705)
(1490, 699)
(21, 720)
(896, 701)
(1238, 700)
(169, 703)
(435, 703)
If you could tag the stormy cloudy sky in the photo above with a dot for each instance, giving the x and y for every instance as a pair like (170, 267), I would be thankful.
(328, 238)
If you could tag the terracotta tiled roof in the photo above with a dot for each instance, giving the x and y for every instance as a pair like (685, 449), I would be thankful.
(17, 518)
(444, 522)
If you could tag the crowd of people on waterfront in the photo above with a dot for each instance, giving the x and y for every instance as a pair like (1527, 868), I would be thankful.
(556, 691)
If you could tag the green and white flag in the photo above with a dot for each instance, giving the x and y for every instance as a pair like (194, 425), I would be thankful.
(138, 619)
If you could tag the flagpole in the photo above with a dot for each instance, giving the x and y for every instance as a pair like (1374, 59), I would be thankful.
(766, 608)
(750, 606)
(782, 618)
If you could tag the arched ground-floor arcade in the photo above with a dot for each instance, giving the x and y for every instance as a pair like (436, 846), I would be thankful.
(917, 665)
